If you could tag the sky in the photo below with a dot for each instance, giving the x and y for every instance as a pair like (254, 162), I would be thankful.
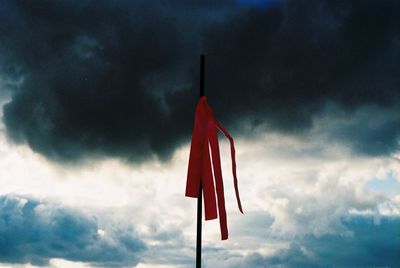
(97, 104)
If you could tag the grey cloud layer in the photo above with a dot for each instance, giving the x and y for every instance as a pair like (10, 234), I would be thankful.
(370, 244)
(121, 79)
(34, 232)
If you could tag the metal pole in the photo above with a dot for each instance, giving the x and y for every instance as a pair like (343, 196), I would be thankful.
(200, 197)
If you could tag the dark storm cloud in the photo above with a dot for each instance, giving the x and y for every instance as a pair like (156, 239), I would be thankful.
(120, 78)
(371, 245)
(370, 130)
(34, 232)
(284, 65)
(94, 76)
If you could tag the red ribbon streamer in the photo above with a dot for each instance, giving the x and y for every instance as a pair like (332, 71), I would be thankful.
(206, 168)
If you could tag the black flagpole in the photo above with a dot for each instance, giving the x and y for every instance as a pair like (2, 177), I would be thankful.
(200, 197)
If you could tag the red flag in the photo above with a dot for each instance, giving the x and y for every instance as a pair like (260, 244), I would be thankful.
(206, 168)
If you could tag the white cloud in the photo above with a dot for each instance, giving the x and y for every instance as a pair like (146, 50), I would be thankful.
(54, 263)
(308, 192)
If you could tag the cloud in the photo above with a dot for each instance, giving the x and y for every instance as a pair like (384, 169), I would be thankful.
(34, 232)
(309, 185)
(369, 245)
(291, 189)
(285, 65)
(120, 79)
(94, 78)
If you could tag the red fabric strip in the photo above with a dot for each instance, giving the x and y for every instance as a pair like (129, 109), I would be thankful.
(196, 151)
(210, 206)
(204, 139)
(219, 184)
(235, 182)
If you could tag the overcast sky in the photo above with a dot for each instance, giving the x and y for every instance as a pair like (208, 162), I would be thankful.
(97, 104)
